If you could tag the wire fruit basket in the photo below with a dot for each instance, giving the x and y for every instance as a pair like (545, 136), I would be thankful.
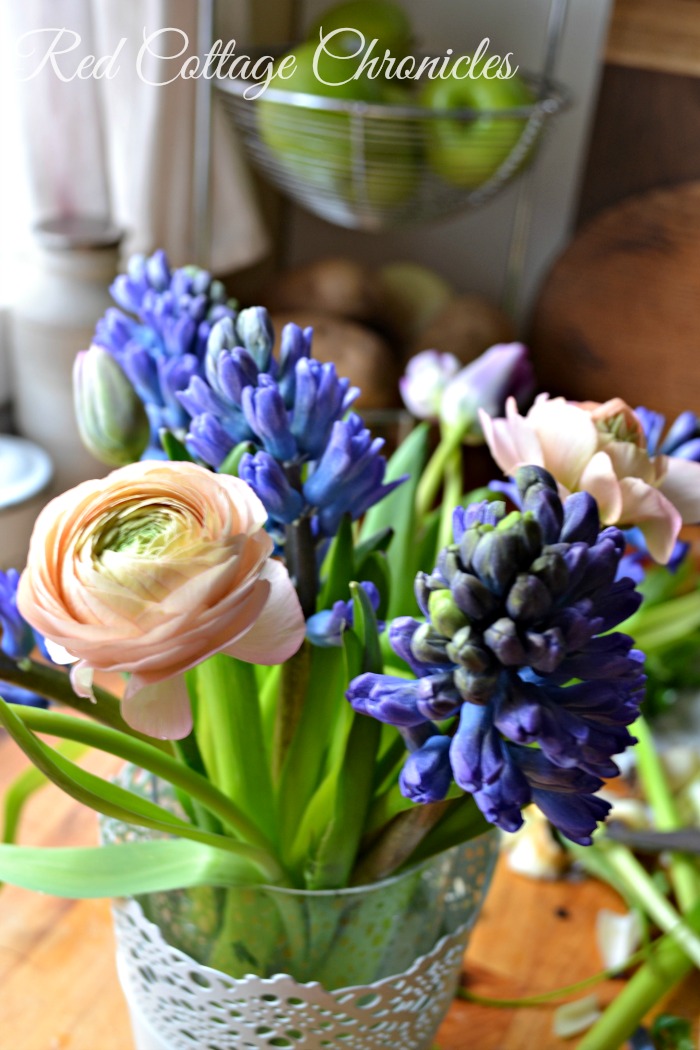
(372, 166)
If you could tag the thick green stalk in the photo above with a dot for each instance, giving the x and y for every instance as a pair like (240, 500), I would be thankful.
(684, 870)
(398, 842)
(228, 701)
(432, 477)
(668, 965)
(644, 890)
(452, 492)
(294, 684)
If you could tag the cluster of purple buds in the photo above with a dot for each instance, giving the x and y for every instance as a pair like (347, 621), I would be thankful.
(17, 640)
(522, 693)
(310, 455)
(160, 340)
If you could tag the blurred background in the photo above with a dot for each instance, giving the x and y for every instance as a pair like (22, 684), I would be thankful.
(579, 238)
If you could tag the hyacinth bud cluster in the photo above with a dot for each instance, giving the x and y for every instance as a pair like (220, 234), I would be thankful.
(522, 693)
(159, 336)
(310, 457)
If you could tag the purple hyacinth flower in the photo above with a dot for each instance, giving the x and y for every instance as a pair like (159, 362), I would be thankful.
(268, 480)
(517, 660)
(326, 628)
(427, 774)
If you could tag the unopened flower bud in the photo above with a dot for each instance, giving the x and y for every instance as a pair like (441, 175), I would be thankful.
(256, 333)
(551, 569)
(528, 599)
(111, 418)
(466, 649)
(427, 376)
(428, 645)
(472, 596)
(503, 639)
(501, 372)
(445, 615)
(473, 687)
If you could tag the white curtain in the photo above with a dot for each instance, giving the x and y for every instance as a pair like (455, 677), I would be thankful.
(118, 144)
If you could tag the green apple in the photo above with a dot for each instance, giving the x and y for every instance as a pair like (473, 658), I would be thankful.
(392, 155)
(317, 145)
(468, 152)
(378, 20)
(314, 143)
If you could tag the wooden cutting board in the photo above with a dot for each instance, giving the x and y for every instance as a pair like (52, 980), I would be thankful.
(619, 314)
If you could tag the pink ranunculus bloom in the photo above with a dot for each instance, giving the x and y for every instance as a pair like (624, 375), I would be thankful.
(601, 448)
(150, 570)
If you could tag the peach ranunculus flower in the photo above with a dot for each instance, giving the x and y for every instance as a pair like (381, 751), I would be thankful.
(150, 570)
(601, 448)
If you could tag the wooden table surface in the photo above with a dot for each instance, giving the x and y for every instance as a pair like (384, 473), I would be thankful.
(59, 990)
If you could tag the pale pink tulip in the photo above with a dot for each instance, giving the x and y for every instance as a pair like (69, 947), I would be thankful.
(600, 448)
(151, 570)
(427, 376)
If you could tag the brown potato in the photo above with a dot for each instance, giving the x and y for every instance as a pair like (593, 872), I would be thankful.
(357, 352)
(466, 327)
(330, 286)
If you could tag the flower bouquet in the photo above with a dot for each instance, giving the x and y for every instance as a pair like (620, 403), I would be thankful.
(334, 683)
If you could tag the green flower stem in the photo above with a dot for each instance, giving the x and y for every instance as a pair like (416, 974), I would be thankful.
(147, 757)
(228, 700)
(398, 842)
(684, 871)
(453, 490)
(300, 556)
(668, 965)
(294, 684)
(432, 477)
(55, 685)
(643, 890)
(558, 995)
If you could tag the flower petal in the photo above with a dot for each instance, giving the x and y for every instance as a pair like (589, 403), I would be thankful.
(600, 480)
(655, 515)
(160, 709)
(567, 436)
(511, 441)
(279, 630)
(681, 485)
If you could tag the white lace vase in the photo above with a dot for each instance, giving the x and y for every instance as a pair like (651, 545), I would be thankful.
(358, 969)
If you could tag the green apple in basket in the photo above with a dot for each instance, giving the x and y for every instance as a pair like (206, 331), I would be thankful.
(466, 152)
(379, 20)
(316, 145)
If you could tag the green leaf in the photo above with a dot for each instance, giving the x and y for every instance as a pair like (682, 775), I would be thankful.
(325, 716)
(365, 628)
(24, 786)
(397, 511)
(113, 800)
(123, 870)
(148, 757)
(229, 704)
(174, 448)
(338, 567)
(378, 542)
(336, 856)
(375, 569)
(672, 1033)
(233, 461)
